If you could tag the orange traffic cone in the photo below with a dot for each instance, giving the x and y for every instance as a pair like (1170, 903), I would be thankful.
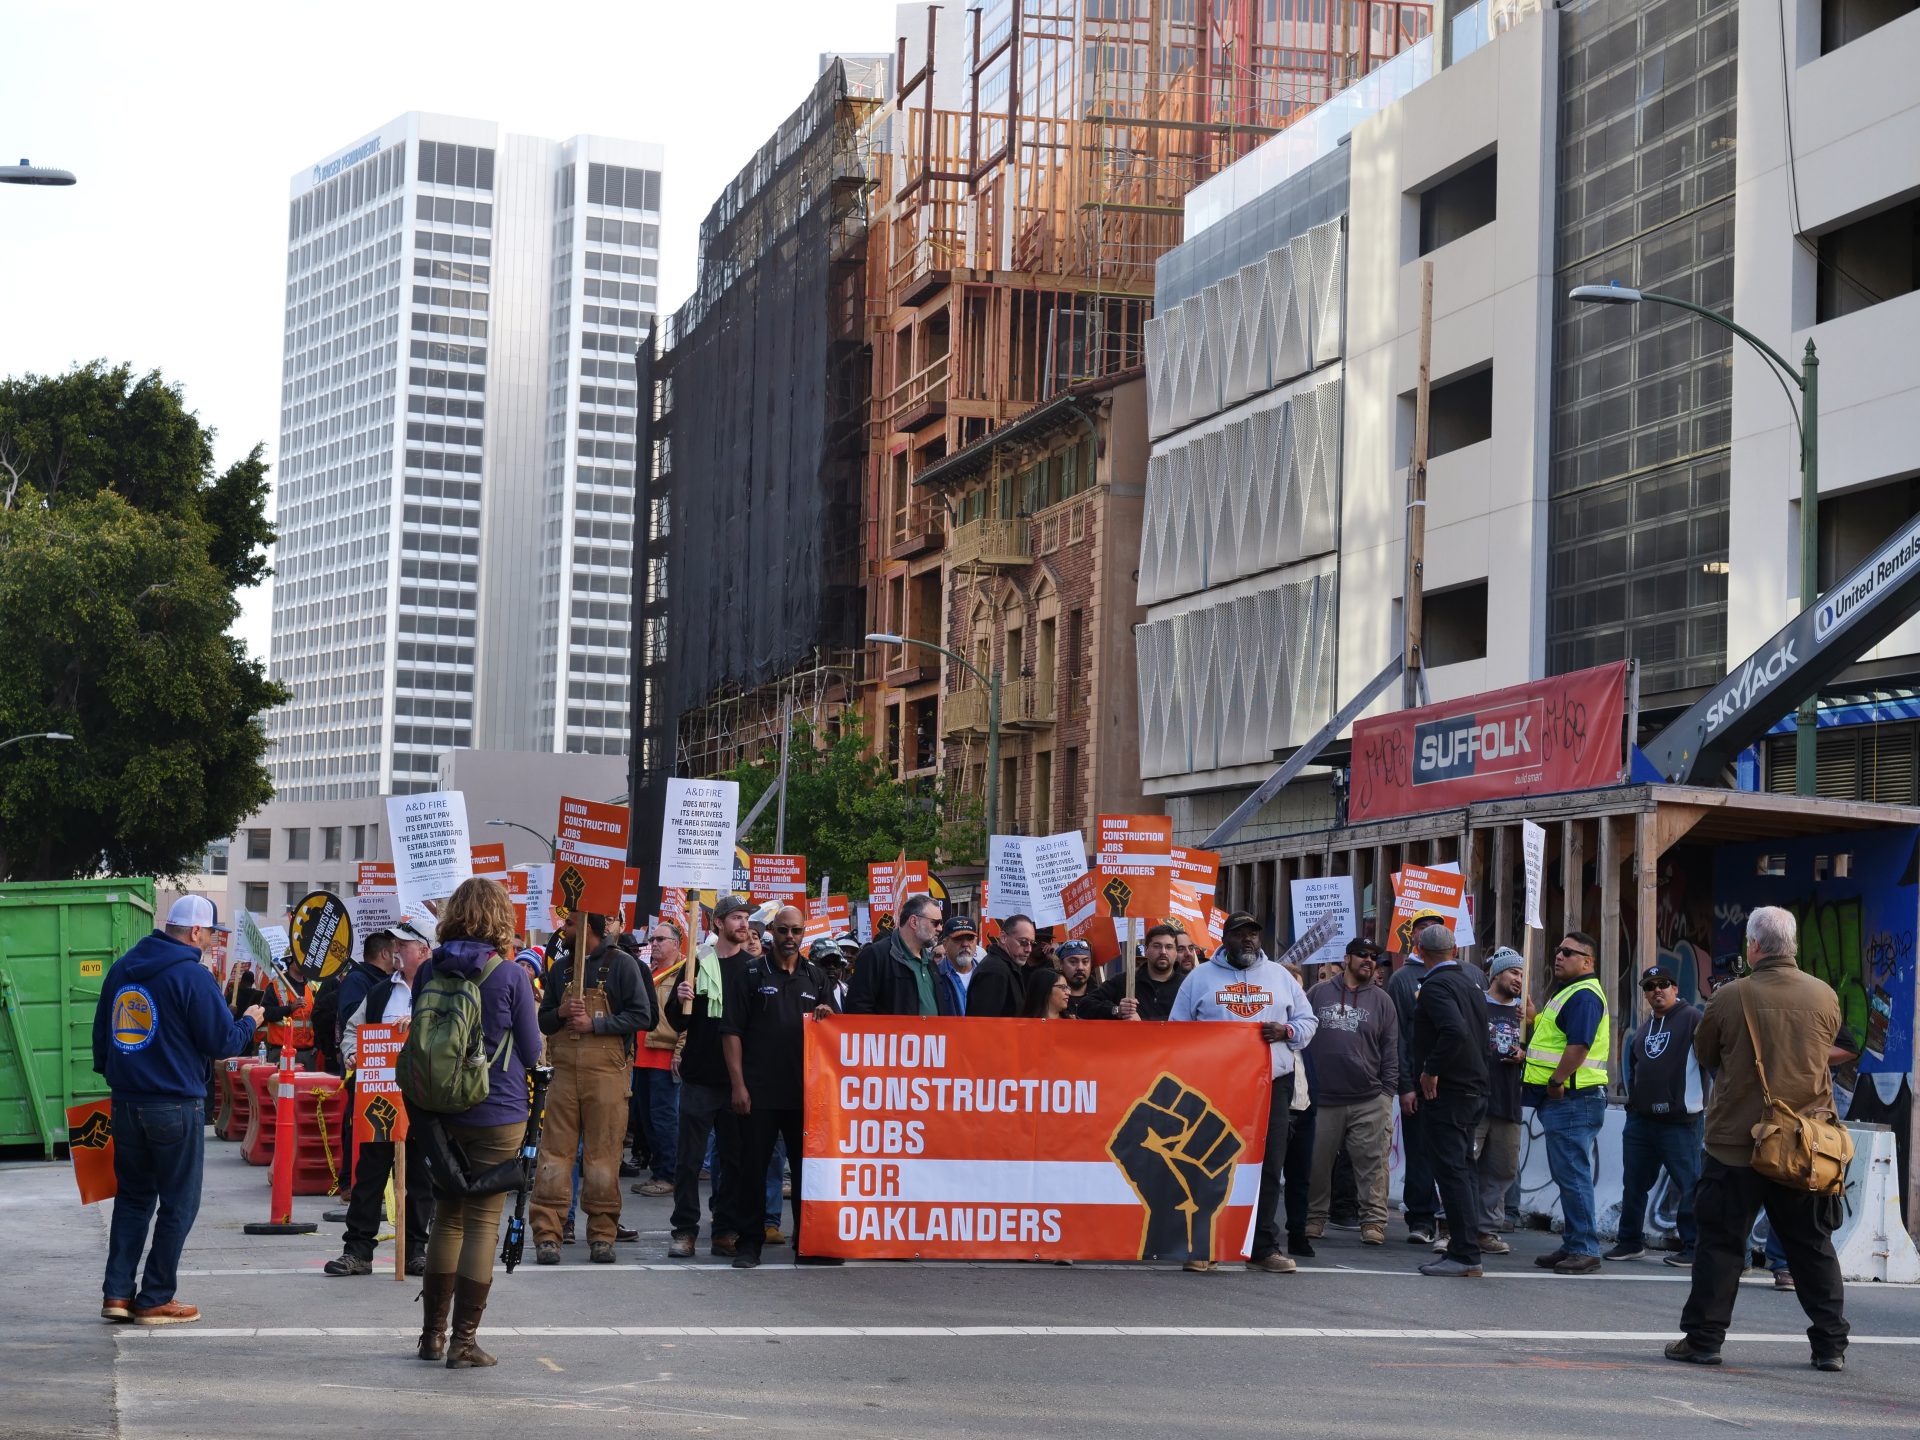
(280, 1219)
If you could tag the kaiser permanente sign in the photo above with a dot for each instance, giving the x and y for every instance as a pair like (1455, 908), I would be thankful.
(1812, 649)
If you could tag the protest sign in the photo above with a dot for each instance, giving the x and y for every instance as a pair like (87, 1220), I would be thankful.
(827, 916)
(629, 895)
(1216, 927)
(1026, 873)
(1463, 920)
(516, 883)
(539, 898)
(1139, 850)
(1188, 909)
(490, 862)
(369, 913)
(589, 855)
(1417, 890)
(378, 1112)
(278, 941)
(1016, 1140)
(321, 938)
(777, 877)
(90, 1147)
(432, 850)
(1328, 894)
(1089, 919)
(1197, 868)
(696, 838)
(376, 878)
(891, 883)
(1323, 932)
(1533, 854)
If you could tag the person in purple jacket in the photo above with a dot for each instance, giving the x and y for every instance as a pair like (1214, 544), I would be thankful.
(476, 925)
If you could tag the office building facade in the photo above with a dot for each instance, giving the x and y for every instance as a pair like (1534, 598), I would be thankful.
(455, 484)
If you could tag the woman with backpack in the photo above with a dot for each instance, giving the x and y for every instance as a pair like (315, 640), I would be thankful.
(474, 957)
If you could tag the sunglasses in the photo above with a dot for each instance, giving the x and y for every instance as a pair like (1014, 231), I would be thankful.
(1577, 954)
(1657, 985)
(788, 929)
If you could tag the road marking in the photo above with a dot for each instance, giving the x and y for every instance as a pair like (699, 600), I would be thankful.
(550, 1365)
(964, 1332)
(1688, 1404)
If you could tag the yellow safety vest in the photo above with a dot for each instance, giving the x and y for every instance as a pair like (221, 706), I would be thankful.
(1549, 1042)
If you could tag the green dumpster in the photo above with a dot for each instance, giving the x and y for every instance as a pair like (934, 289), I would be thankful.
(57, 940)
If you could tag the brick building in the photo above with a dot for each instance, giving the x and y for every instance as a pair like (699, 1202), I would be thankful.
(1039, 587)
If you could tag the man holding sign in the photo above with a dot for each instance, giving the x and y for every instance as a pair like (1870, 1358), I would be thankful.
(386, 1008)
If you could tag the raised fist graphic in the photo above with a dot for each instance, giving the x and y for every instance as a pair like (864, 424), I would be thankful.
(1178, 1153)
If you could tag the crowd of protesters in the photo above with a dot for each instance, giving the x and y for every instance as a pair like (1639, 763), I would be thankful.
(675, 1066)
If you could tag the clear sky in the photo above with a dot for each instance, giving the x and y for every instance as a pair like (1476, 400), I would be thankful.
(185, 121)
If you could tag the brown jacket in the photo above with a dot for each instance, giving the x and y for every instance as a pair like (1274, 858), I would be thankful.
(1796, 1015)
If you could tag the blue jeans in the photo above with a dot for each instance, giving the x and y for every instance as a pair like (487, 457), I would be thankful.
(1647, 1146)
(1570, 1125)
(158, 1152)
(657, 1094)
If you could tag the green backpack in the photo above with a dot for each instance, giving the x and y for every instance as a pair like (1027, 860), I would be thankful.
(443, 1066)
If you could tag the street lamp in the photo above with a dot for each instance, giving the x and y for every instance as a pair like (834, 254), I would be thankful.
(544, 840)
(27, 173)
(1807, 381)
(992, 682)
(37, 735)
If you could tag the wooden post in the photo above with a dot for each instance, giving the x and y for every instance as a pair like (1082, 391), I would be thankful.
(1572, 867)
(578, 985)
(1382, 902)
(1646, 856)
(400, 1210)
(1609, 968)
(1412, 602)
(1129, 964)
(1502, 886)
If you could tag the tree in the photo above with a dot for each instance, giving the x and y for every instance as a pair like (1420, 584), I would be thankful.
(120, 553)
(845, 809)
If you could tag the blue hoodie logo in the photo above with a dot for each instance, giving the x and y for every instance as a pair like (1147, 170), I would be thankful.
(134, 1020)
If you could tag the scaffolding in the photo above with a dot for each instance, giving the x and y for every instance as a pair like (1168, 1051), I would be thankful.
(740, 724)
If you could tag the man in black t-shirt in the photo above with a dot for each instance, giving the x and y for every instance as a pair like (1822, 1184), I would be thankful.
(762, 1036)
(1497, 1148)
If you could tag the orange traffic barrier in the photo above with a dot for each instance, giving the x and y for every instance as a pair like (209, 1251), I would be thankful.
(256, 1145)
(319, 1124)
(281, 1145)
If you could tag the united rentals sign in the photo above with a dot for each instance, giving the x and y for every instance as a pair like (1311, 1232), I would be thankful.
(1535, 739)
(1811, 649)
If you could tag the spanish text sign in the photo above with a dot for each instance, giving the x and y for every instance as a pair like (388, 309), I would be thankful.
(1031, 1139)
(1549, 735)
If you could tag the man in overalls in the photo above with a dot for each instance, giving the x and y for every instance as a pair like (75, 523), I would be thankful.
(591, 1029)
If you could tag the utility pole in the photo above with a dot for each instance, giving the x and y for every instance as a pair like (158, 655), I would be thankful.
(1413, 601)
(780, 814)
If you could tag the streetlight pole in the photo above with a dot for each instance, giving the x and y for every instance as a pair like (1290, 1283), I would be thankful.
(992, 682)
(544, 840)
(1807, 381)
(37, 735)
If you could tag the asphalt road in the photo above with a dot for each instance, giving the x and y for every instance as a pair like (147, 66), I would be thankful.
(1354, 1345)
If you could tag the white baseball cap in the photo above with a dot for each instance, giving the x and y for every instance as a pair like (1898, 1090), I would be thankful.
(191, 910)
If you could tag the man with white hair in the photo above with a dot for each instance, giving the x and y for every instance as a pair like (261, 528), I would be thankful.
(1792, 1018)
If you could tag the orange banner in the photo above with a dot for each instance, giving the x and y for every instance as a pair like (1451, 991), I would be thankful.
(90, 1146)
(1032, 1139)
(828, 916)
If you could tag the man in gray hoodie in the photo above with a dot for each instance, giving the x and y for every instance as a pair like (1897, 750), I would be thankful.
(1356, 1081)
(1241, 983)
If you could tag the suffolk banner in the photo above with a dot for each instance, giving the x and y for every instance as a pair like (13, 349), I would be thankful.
(1029, 1139)
(1559, 734)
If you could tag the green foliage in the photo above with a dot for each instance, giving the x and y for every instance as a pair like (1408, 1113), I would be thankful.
(845, 809)
(120, 551)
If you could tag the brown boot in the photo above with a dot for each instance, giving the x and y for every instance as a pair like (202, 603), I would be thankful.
(469, 1304)
(436, 1298)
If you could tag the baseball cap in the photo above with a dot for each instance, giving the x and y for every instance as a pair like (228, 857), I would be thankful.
(1659, 972)
(191, 910)
(728, 905)
(1504, 959)
(959, 925)
(403, 930)
(1360, 945)
(1240, 920)
(1436, 937)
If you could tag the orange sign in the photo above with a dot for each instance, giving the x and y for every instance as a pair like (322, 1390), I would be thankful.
(376, 879)
(1186, 909)
(379, 1114)
(1139, 850)
(1089, 918)
(893, 882)
(516, 883)
(90, 1145)
(777, 877)
(629, 895)
(828, 917)
(1417, 889)
(1197, 868)
(590, 855)
(490, 862)
(1026, 1139)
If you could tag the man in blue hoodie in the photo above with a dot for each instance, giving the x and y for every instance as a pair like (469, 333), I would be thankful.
(160, 1020)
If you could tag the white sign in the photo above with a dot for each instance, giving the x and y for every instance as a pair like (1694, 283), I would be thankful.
(1317, 938)
(1533, 854)
(1026, 873)
(1327, 895)
(368, 914)
(696, 840)
(432, 849)
(278, 942)
(539, 897)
